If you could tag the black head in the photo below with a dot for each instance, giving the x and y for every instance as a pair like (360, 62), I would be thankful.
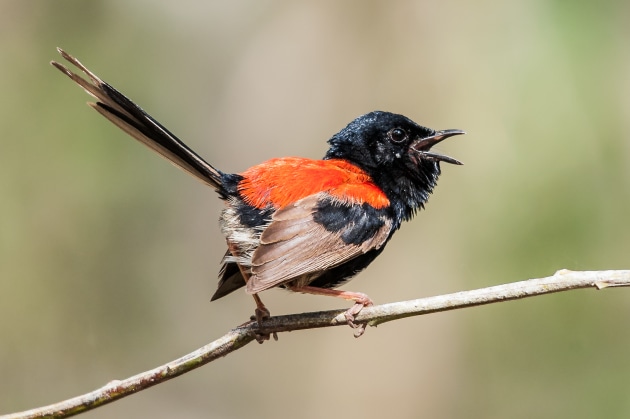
(396, 153)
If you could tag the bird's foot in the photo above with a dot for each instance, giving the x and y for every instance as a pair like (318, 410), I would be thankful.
(360, 300)
(350, 314)
(261, 314)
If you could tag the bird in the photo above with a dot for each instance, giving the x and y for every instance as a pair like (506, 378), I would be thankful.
(305, 225)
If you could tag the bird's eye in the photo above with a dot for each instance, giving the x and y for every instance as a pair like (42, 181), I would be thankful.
(397, 135)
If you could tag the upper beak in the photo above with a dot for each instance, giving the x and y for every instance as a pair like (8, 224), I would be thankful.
(423, 145)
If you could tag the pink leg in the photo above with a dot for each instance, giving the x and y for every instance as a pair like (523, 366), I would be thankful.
(360, 300)
(261, 311)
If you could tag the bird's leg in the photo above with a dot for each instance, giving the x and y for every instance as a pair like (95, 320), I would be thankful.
(360, 300)
(261, 313)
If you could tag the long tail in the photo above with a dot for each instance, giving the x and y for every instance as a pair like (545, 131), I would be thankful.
(129, 117)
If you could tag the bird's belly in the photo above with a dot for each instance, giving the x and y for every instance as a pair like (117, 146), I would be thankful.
(242, 240)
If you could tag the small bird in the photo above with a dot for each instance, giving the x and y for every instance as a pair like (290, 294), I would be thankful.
(304, 225)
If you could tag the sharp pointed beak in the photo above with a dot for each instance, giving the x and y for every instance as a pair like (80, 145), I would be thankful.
(423, 145)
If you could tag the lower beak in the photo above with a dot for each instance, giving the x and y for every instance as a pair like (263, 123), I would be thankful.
(423, 145)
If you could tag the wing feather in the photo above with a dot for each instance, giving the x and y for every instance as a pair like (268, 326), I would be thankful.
(295, 244)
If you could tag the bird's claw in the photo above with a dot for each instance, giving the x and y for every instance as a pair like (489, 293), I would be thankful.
(261, 314)
(262, 337)
(359, 328)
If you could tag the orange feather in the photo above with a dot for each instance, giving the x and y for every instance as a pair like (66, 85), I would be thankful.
(279, 182)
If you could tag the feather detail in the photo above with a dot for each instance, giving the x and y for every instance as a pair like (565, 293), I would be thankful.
(296, 245)
(279, 182)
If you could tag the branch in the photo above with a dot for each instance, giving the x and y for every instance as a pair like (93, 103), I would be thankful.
(240, 336)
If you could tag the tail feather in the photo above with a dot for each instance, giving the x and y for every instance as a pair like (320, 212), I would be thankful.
(230, 279)
(129, 117)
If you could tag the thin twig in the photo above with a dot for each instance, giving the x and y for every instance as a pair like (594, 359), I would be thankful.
(237, 338)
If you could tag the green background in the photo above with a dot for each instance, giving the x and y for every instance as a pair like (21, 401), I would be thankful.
(109, 256)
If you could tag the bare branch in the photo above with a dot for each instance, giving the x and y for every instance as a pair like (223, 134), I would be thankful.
(563, 280)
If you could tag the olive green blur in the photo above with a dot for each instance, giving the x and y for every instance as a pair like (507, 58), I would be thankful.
(109, 255)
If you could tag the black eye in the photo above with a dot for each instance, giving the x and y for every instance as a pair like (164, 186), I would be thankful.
(398, 135)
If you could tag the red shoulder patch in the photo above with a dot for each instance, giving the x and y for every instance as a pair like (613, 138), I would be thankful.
(279, 182)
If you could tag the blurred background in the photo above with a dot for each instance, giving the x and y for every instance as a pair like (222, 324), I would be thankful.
(109, 256)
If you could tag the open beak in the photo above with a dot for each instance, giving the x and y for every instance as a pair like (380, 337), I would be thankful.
(423, 145)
